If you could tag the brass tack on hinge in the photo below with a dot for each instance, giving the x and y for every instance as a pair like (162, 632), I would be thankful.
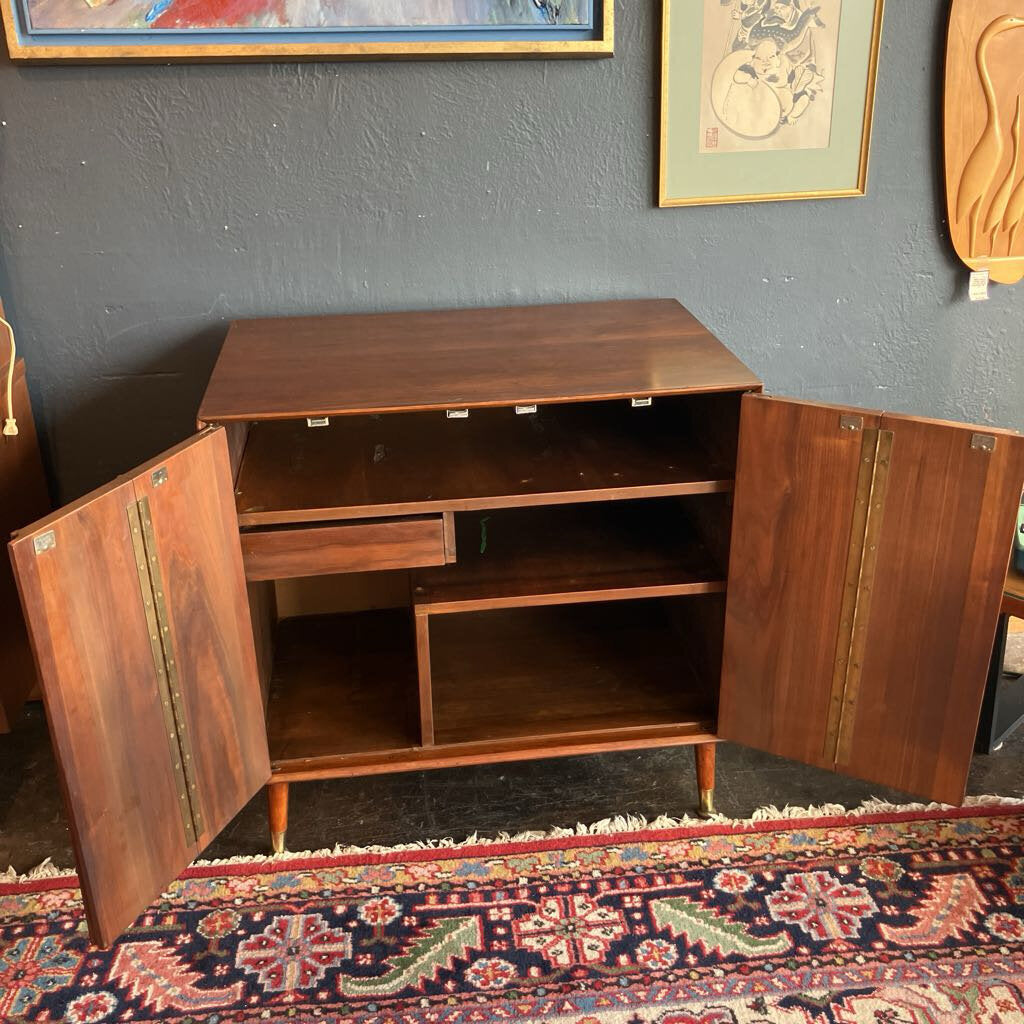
(153, 601)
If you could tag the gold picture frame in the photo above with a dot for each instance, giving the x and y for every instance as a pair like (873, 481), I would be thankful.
(27, 47)
(829, 161)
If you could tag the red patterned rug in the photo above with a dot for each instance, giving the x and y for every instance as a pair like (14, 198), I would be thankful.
(872, 917)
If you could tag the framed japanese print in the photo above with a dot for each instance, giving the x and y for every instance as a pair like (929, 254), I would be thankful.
(158, 30)
(766, 99)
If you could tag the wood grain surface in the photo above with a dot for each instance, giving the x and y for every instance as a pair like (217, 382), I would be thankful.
(949, 521)
(579, 553)
(946, 526)
(343, 684)
(385, 362)
(562, 670)
(345, 695)
(85, 612)
(797, 476)
(198, 548)
(401, 543)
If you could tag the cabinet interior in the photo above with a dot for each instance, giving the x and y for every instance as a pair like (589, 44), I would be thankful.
(581, 605)
(406, 463)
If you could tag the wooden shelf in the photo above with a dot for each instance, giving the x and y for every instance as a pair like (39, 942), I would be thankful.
(508, 685)
(596, 552)
(411, 463)
(574, 669)
(343, 684)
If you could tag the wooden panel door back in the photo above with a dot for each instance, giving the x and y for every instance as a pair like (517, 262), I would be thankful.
(796, 485)
(150, 687)
(950, 512)
(864, 589)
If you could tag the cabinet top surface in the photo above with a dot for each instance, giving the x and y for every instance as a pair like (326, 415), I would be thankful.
(332, 365)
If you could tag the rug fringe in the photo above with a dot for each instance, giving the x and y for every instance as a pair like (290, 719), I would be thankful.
(45, 870)
(874, 806)
(621, 823)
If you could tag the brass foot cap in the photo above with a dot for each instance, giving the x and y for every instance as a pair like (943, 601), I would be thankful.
(277, 841)
(707, 804)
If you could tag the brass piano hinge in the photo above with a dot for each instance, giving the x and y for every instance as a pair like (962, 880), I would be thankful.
(865, 533)
(147, 562)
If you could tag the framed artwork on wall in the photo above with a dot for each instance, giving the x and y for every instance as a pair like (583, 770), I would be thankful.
(764, 100)
(86, 31)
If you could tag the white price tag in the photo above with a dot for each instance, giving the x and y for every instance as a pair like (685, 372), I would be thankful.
(978, 289)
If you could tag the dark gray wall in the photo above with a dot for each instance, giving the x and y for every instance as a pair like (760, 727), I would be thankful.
(143, 208)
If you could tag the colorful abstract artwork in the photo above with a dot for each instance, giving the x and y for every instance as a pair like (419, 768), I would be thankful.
(898, 917)
(308, 27)
(121, 15)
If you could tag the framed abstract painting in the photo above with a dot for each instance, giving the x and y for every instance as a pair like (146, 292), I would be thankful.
(87, 31)
(766, 99)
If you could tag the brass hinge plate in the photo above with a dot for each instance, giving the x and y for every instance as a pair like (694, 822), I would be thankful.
(154, 602)
(862, 561)
(44, 542)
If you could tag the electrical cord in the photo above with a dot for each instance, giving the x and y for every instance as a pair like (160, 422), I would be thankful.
(10, 423)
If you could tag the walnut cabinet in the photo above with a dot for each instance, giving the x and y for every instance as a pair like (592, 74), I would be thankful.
(415, 540)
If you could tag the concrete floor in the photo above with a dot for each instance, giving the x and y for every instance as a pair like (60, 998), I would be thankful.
(391, 809)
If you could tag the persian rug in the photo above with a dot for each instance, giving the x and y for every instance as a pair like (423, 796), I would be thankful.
(878, 916)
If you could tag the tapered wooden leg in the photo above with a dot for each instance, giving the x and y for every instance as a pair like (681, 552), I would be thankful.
(277, 804)
(705, 755)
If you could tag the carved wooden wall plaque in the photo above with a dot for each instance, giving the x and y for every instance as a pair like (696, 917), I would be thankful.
(984, 142)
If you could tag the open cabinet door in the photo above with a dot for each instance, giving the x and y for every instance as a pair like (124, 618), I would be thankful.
(136, 606)
(868, 558)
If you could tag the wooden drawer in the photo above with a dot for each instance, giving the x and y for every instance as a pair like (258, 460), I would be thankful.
(363, 546)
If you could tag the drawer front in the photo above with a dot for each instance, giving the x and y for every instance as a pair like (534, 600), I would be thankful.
(363, 546)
